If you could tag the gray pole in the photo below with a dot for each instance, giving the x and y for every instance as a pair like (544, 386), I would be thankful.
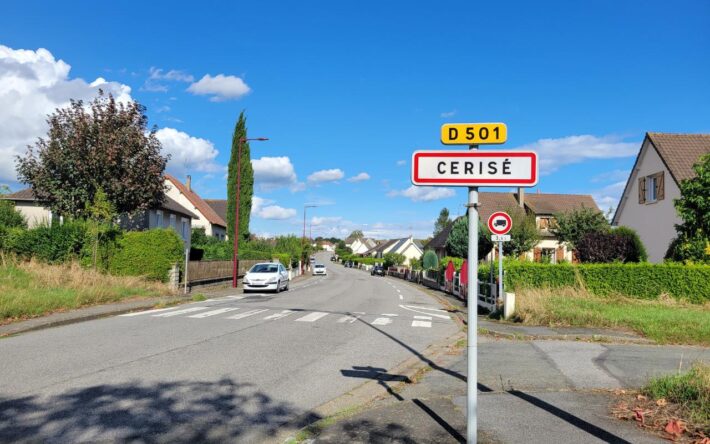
(500, 271)
(187, 264)
(472, 298)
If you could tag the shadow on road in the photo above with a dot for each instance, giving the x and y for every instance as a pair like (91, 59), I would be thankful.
(185, 411)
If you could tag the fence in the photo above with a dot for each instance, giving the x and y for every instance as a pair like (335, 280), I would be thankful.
(205, 271)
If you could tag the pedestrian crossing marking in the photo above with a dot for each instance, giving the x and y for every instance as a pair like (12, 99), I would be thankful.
(421, 324)
(179, 312)
(312, 317)
(428, 318)
(246, 314)
(283, 314)
(226, 298)
(390, 314)
(213, 312)
(157, 310)
(382, 321)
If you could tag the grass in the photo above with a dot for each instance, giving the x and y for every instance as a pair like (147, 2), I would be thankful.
(199, 297)
(313, 430)
(666, 320)
(32, 289)
(690, 390)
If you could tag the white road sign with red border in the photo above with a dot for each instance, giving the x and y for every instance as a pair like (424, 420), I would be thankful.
(475, 168)
(500, 223)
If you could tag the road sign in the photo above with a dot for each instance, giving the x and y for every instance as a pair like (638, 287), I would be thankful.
(475, 168)
(500, 223)
(500, 237)
(473, 133)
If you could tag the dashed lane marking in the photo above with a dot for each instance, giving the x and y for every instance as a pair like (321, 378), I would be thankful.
(382, 321)
(280, 315)
(246, 314)
(401, 298)
(389, 314)
(179, 312)
(312, 317)
(213, 312)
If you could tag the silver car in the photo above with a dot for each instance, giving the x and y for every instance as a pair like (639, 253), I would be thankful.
(266, 276)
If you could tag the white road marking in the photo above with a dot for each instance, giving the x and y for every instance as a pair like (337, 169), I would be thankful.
(397, 290)
(427, 308)
(179, 312)
(421, 324)
(225, 298)
(312, 317)
(157, 310)
(348, 319)
(283, 314)
(246, 314)
(389, 314)
(401, 297)
(382, 321)
(425, 313)
(428, 318)
(213, 312)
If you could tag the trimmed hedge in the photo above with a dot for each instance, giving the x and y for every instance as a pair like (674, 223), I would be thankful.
(54, 244)
(642, 280)
(149, 253)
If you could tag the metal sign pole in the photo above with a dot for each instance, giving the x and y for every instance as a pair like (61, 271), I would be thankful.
(500, 270)
(472, 298)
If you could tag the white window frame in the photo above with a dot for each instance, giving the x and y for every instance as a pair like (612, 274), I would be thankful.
(159, 218)
(651, 196)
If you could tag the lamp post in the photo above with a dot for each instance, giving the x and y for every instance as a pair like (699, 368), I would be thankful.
(235, 256)
(303, 241)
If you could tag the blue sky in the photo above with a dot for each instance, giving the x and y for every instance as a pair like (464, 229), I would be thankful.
(357, 86)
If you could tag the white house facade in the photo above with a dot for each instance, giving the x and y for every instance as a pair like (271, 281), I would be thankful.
(213, 224)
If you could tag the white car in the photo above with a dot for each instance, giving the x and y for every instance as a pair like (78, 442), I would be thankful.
(319, 269)
(266, 276)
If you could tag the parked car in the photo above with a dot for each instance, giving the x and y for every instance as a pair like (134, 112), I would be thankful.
(266, 276)
(332, 258)
(313, 259)
(377, 270)
(319, 269)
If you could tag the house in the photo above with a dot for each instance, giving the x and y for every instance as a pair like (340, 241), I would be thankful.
(207, 218)
(543, 205)
(360, 245)
(169, 215)
(408, 247)
(327, 246)
(663, 161)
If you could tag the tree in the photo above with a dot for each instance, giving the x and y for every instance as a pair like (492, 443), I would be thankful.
(620, 245)
(429, 260)
(571, 226)
(357, 234)
(246, 188)
(392, 259)
(442, 222)
(103, 145)
(524, 234)
(457, 243)
(100, 214)
(693, 207)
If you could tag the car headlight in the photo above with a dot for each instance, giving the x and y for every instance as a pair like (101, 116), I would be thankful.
(272, 280)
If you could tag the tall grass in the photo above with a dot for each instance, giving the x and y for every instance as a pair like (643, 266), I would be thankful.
(665, 320)
(691, 390)
(30, 289)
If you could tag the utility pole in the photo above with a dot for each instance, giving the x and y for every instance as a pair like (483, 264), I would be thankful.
(472, 302)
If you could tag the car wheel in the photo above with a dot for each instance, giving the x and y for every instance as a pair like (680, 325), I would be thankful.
(278, 287)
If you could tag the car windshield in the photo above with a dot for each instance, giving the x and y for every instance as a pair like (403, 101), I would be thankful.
(264, 268)
(320, 266)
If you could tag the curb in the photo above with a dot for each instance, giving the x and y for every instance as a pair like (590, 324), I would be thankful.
(565, 337)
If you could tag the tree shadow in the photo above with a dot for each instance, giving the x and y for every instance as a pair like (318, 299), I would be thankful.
(184, 411)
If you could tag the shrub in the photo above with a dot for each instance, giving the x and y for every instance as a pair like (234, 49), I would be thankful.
(53, 244)
(607, 246)
(254, 255)
(429, 260)
(392, 259)
(148, 253)
(638, 253)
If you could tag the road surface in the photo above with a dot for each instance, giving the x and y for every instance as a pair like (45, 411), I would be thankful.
(233, 368)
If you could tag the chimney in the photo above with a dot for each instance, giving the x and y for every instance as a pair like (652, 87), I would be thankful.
(188, 183)
(521, 197)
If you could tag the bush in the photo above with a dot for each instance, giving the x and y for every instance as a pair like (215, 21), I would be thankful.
(643, 281)
(55, 244)
(148, 253)
(638, 253)
(609, 246)
(689, 249)
(255, 255)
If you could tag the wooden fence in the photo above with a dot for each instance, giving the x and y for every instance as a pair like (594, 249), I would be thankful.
(202, 271)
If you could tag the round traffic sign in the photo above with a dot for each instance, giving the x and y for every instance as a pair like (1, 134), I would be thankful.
(500, 222)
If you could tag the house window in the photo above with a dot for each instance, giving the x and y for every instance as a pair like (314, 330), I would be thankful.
(185, 228)
(547, 255)
(159, 218)
(651, 188)
(172, 221)
(543, 223)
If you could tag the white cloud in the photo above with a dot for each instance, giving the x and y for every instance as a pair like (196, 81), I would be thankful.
(359, 178)
(614, 175)
(555, 153)
(337, 226)
(264, 209)
(401, 162)
(608, 197)
(32, 85)
(188, 153)
(318, 221)
(220, 87)
(271, 173)
(326, 176)
(424, 194)
(448, 114)
(173, 75)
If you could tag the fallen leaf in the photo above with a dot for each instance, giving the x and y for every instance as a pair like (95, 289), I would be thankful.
(641, 398)
(639, 415)
(661, 402)
(675, 428)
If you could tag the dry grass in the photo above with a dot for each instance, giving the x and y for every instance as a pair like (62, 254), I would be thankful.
(664, 320)
(30, 289)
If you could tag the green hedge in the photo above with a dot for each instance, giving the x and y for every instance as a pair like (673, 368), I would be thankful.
(148, 253)
(54, 244)
(642, 280)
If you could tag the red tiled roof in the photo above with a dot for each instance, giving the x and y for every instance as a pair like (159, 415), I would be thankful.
(201, 206)
(219, 206)
(680, 152)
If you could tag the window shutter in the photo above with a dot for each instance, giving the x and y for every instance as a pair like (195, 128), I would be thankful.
(642, 190)
(660, 186)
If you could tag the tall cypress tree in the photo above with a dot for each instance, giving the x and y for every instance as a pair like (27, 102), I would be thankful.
(247, 181)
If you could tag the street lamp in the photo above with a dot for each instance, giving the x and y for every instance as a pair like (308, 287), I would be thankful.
(235, 259)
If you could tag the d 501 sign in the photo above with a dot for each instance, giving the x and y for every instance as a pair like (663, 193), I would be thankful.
(475, 168)
(473, 133)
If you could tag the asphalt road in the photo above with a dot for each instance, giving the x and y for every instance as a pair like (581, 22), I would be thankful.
(232, 368)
